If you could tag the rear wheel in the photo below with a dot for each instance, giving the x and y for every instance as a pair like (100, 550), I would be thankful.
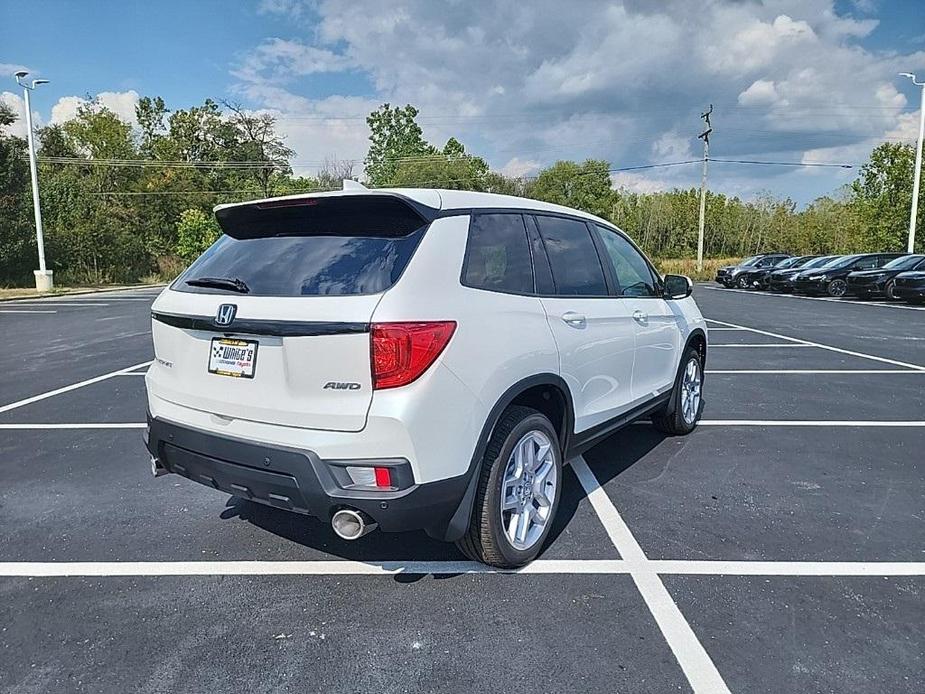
(519, 486)
(837, 288)
(683, 410)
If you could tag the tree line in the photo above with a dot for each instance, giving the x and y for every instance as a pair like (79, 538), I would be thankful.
(123, 203)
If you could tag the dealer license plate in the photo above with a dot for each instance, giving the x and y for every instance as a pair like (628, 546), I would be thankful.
(230, 357)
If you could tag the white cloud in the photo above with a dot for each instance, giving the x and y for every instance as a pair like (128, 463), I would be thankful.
(536, 82)
(638, 183)
(120, 103)
(518, 167)
(15, 102)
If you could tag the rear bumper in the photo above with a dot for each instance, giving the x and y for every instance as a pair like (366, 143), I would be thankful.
(299, 480)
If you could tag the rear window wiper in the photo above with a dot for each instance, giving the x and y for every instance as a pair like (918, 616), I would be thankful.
(230, 283)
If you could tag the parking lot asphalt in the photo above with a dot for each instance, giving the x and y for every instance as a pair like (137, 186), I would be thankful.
(779, 548)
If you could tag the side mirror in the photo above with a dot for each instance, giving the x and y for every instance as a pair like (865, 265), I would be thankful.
(678, 287)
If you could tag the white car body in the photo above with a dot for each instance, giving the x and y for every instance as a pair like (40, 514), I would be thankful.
(621, 356)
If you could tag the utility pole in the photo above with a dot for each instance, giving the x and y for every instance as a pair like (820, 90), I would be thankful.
(917, 176)
(43, 276)
(705, 136)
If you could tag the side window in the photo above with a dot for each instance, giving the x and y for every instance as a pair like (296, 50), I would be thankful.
(866, 264)
(634, 278)
(920, 265)
(497, 254)
(576, 267)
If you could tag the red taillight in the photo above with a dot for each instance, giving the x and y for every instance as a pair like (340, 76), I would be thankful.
(383, 477)
(400, 352)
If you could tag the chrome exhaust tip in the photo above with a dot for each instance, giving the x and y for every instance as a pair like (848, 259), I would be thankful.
(157, 469)
(352, 525)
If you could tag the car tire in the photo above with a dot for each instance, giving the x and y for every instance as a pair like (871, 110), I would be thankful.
(837, 288)
(680, 416)
(491, 538)
(889, 290)
(742, 282)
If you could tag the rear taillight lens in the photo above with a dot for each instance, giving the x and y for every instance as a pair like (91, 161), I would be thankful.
(401, 352)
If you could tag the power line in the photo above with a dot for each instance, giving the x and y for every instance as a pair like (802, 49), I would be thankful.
(783, 163)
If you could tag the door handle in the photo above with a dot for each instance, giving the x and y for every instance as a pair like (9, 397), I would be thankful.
(640, 317)
(574, 320)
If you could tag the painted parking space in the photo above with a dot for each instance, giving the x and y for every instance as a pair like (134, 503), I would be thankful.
(671, 541)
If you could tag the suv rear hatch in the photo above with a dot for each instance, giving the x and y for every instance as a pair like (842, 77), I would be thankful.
(299, 280)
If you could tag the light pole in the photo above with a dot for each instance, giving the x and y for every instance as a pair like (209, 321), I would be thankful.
(43, 276)
(917, 175)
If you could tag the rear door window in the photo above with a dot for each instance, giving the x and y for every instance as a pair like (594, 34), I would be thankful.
(498, 254)
(576, 267)
(321, 247)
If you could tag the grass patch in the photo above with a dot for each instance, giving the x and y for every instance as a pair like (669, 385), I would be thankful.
(684, 266)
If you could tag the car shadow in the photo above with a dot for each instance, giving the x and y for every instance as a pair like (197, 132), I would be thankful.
(608, 460)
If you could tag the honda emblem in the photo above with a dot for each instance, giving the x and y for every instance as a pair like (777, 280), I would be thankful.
(225, 314)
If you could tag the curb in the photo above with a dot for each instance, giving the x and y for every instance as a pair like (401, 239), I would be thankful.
(81, 292)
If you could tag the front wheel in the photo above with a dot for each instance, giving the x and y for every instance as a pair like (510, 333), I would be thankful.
(683, 410)
(742, 282)
(837, 288)
(518, 491)
(890, 290)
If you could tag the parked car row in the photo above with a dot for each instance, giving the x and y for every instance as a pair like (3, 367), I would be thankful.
(894, 276)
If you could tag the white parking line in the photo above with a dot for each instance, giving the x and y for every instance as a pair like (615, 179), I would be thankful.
(70, 425)
(323, 567)
(26, 311)
(815, 371)
(693, 658)
(808, 423)
(715, 330)
(849, 352)
(844, 302)
(133, 373)
(762, 344)
(73, 386)
(788, 568)
(36, 302)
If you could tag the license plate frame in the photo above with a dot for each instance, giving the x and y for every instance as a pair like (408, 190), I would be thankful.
(223, 364)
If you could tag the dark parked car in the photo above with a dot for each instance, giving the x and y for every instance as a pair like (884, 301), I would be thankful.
(729, 275)
(782, 280)
(757, 278)
(910, 286)
(831, 278)
(882, 281)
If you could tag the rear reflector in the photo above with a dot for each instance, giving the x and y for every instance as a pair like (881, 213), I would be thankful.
(401, 352)
(383, 477)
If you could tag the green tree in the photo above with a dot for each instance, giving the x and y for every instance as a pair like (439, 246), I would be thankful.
(393, 135)
(196, 231)
(452, 168)
(585, 186)
(17, 247)
(882, 197)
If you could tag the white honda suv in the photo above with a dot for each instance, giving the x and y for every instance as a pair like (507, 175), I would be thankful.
(415, 359)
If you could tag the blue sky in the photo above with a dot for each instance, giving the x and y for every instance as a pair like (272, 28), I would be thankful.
(522, 84)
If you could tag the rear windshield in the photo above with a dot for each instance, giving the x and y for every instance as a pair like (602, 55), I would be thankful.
(340, 248)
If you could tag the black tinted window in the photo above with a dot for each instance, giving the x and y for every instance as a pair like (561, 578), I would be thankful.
(497, 254)
(576, 267)
(630, 269)
(305, 265)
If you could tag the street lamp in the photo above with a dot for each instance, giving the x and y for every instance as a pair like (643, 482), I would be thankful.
(917, 176)
(43, 276)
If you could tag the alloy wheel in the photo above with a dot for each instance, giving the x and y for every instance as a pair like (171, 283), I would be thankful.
(528, 490)
(691, 384)
(838, 288)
